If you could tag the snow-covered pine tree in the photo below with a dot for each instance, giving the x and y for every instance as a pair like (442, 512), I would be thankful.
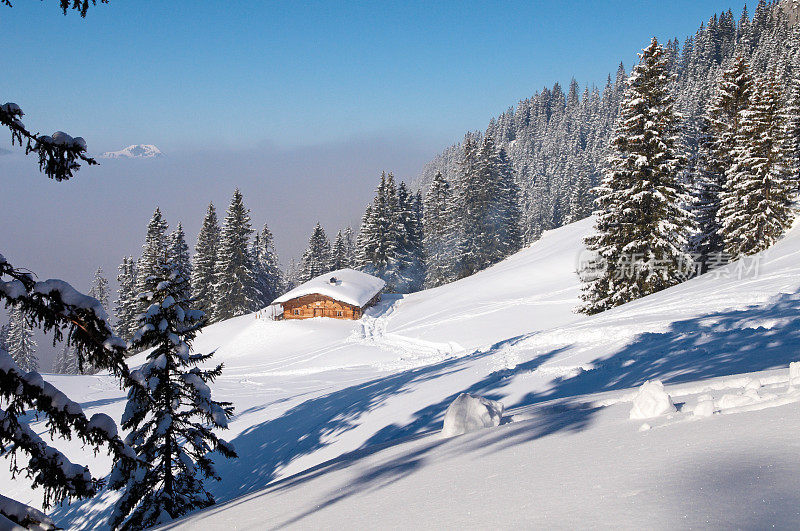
(235, 289)
(509, 231)
(792, 120)
(126, 304)
(66, 361)
(469, 198)
(316, 259)
(642, 229)
(205, 263)
(178, 254)
(20, 342)
(99, 289)
(367, 239)
(292, 275)
(272, 264)
(756, 206)
(728, 104)
(438, 225)
(339, 253)
(487, 199)
(154, 255)
(707, 182)
(269, 277)
(379, 240)
(170, 414)
(410, 255)
(350, 246)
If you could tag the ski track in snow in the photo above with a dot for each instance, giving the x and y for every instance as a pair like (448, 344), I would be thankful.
(412, 352)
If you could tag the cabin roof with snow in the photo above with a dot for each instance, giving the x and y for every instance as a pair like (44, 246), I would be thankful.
(344, 285)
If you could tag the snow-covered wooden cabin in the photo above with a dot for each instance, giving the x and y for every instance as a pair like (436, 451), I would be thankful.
(340, 294)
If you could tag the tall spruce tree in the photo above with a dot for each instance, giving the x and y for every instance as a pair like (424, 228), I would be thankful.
(126, 304)
(756, 206)
(410, 252)
(378, 239)
(642, 229)
(235, 289)
(178, 254)
(470, 199)
(317, 257)
(438, 233)
(580, 200)
(205, 263)
(731, 99)
(66, 361)
(269, 277)
(707, 184)
(508, 203)
(339, 252)
(792, 118)
(99, 289)
(170, 413)
(488, 207)
(20, 342)
(292, 277)
(154, 255)
(390, 242)
(350, 246)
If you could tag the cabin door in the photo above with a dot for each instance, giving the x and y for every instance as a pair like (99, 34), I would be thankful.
(318, 312)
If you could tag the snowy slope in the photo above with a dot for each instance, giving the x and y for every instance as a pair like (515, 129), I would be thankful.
(136, 151)
(307, 392)
(563, 465)
(571, 457)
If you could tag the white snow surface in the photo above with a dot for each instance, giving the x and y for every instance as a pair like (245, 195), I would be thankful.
(344, 285)
(135, 151)
(470, 413)
(337, 422)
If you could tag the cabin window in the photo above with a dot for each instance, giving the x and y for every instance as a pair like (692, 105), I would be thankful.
(297, 312)
(338, 313)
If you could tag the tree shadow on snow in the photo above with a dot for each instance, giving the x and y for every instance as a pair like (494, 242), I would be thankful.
(720, 344)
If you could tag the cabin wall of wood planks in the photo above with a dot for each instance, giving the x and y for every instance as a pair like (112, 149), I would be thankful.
(310, 306)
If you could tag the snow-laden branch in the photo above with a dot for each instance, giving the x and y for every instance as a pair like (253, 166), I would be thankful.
(59, 154)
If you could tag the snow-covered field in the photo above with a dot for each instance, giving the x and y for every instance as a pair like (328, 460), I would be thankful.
(335, 421)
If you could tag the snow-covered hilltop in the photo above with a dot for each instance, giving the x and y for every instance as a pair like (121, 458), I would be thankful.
(136, 151)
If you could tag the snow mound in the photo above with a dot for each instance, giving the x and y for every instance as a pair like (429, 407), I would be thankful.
(470, 413)
(651, 401)
(136, 151)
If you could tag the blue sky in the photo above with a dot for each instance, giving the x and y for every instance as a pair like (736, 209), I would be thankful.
(187, 74)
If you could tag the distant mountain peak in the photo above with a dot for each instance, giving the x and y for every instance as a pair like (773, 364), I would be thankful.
(136, 151)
